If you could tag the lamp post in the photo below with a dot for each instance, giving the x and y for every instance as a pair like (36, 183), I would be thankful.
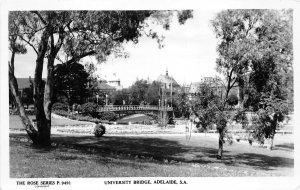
(166, 104)
(106, 99)
(97, 96)
(171, 91)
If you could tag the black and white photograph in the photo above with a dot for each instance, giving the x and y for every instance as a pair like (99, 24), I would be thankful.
(143, 97)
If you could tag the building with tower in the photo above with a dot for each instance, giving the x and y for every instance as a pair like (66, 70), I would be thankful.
(115, 82)
(168, 82)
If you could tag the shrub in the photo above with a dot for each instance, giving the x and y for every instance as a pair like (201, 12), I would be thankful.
(59, 106)
(200, 130)
(163, 121)
(233, 100)
(152, 115)
(110, 116)
(241, 117)
(171, 121)
(88, 108)
(99, 130)
(61, 113)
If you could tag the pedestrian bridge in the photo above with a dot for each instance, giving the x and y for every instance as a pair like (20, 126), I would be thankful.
(136, 108)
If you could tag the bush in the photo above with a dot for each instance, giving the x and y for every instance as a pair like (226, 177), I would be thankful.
(200, 130)
(61, 113)
(99, 130)
(163, 121)
(241, 117)
(59, 106)
(88, 108)
(233, 100)
(110, 116)
(171, 121)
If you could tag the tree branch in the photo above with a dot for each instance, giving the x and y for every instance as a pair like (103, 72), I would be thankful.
(80, 57)
(28, 43)
(12, 62)
(40, 16)
(52, 42)
(231, 86)
(13, 87)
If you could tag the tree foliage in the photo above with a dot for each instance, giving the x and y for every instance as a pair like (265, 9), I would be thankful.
(232, 100)
(255, 52)
(71, 81)
(205, 106)
(153, 95)
(141, 92)
(255, 47)
(121, 97)
(181, 104)
(138, 92)
(272, 111)
(27, 97)
(210, 107)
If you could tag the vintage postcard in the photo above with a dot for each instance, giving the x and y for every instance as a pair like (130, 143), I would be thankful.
(137, 94)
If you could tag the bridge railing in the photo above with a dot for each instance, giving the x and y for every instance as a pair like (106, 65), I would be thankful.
(133, 108)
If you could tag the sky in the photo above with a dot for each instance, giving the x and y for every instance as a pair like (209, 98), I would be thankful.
(189, 54)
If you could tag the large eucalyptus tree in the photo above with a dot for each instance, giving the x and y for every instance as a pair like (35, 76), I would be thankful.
(255, 53)
(69, 36)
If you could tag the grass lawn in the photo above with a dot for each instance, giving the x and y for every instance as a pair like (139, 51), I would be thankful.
(153, 155)
(136, 118)
(29, 162)
(145, 155)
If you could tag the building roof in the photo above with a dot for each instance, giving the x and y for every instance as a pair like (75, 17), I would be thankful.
(104, 86)
(99, 85)
(25, 82)
(166, 79)
(194, 87)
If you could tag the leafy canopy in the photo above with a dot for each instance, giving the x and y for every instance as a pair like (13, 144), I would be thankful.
(85, 33)
(71, 80)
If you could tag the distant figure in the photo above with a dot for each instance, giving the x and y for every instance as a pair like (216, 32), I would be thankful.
(197, 121)
(189, 127)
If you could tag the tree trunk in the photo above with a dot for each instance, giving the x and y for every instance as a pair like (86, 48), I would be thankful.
(241, 97)
(69, 100)
(274, 124)
(44, 98)
(220, 150)
(31, 131)
(241, 92)
(48, 96)
(43, 125)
